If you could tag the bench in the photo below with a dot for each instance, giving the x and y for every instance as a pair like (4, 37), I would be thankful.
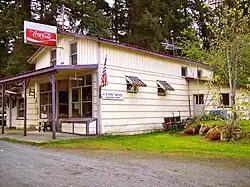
(173, 123)
(45, 125)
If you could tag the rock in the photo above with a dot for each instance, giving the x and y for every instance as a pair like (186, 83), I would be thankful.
(204, 129)
(214, 133)
(225, 135)
(188, 131)
(196, 129)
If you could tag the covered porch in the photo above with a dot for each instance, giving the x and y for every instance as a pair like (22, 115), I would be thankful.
(64, 97)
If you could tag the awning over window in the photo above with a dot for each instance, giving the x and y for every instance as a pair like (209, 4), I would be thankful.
(164, 85)
(135, 81)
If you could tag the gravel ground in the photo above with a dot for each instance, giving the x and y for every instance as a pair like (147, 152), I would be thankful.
(22, 165)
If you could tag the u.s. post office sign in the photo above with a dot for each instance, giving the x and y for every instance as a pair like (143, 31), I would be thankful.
(112, 95)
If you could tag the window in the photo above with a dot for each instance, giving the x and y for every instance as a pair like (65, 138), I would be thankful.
(131, 88)
(162, 87)
(199, 73)
(45, 100)
(73, 53)
(82, 97)
(53, 57)
(161, 91)
(225, 99)
(199, 99)
(133, 83)
(20, 108)
(183, 71)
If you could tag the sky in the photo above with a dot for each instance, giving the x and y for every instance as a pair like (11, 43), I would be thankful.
(110, 2)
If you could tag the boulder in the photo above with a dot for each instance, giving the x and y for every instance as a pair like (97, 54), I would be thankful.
(204, 129)
(188, 131)
(225, 135)
(196, 129)
(214, 133)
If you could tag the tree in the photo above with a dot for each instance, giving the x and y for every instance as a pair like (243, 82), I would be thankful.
(174, 18)
(146, 32)
(119, 15)
(85, 17)
(229, 49)
(202, 15)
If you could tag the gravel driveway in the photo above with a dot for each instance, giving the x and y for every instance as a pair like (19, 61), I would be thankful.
(22, 165)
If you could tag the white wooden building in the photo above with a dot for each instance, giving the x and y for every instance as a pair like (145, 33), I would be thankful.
(143, 87)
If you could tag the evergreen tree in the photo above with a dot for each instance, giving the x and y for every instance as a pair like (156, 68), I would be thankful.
(119, 15)
(143, 28)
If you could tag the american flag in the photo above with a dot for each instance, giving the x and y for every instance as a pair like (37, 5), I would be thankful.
(104, 74)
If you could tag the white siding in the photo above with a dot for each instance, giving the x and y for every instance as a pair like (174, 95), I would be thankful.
(43, 60)
(86, 52)
(212, 103)
(142, 111)
(32, 113)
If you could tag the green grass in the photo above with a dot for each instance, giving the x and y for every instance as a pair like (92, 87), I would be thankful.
(161, 142)
(210, 122)
(245, 125)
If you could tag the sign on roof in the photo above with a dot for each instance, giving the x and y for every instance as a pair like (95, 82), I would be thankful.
(40, 34)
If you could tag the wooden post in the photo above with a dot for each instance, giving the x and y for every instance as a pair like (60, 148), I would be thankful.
(10, 112)
(52, 80)
(3, 89)
(25, 84)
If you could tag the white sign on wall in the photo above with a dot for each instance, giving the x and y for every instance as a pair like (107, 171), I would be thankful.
(112, 95)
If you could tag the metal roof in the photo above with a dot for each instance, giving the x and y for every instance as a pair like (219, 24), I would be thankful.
(164, 85)
(135, 81)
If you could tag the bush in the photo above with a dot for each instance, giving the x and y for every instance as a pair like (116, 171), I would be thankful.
(213, 117)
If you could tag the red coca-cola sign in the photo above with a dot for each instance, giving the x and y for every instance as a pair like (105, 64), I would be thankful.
(40, 34)
(40, 37)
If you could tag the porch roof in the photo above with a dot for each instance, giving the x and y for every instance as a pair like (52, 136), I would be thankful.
(44, 71)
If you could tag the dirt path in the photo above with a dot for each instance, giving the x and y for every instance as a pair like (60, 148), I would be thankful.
(22, 165)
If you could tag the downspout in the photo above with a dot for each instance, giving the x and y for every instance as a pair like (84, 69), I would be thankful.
(99, 115)
(189, 102)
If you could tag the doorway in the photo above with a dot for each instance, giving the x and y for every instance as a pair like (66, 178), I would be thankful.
(198, 104)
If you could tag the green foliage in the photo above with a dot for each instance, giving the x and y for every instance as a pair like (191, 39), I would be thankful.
(89, 18)
(148, 33)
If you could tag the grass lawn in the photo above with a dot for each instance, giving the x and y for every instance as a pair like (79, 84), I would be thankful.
(161, 142)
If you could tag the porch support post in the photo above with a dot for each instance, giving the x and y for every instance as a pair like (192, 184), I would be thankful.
(25, 84)
(3, 89)
(53, 83)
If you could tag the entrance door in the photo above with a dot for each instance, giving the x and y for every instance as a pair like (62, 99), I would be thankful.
(198, 104)
(63, 104)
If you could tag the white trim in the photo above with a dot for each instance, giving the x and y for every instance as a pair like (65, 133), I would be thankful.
(99, 108)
